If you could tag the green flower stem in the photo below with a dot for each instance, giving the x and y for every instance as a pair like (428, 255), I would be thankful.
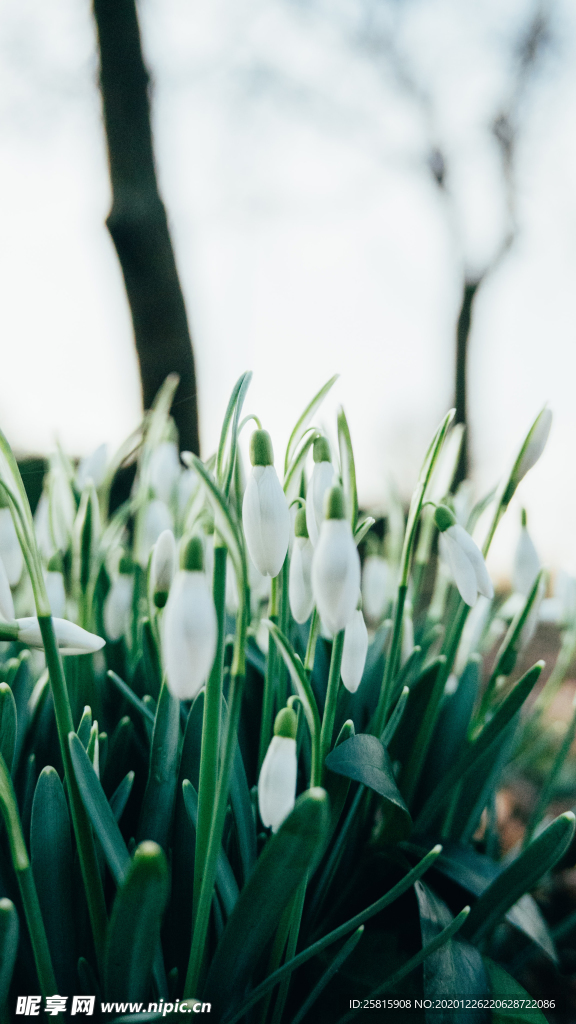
(282, 684)
(331, 696)
(384, 702)
(271, 662)
(21, 864)
(312, 638)
(211, 729)
(81, 823)
(197, 950)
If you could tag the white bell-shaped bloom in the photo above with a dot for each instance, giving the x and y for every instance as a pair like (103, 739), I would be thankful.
(42, 526)
(162, 567)
(534, 446)
(407, 633)
(526, 562)
(354, 652)
(186, 487)
(189, 626)
(71, 639)
(300, 580)
(375, 582)
(323, 476)
(118, 606)
(336, 567)
(6, 602)
(61, 507)
(463, 557)
(55, 589)
(278, 774)
(10, 550)
(265, 514)
(92, 467)
(157, 518)
(164, 469)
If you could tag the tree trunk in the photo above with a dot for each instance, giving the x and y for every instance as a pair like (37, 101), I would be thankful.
(137, 220)
(470, 287)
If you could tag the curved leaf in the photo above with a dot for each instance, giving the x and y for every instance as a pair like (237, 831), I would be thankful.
(8, 724)
(364, 759)
(99, 810)
(120, 796)
(301, 685)
(305, 418)
(225, 880)
(504, 987)
(9, 930)
(347, 469)
(158, 804)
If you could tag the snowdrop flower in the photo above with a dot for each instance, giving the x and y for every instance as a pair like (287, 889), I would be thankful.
(407, 633)
(265, 513)
(42, 526)
(526, 562)
(55, 589)
(336, 566)
(71, 639)
(6, 602)
(189, 625)
(118, 603)
(534, 445)
(164, 469)
(187, 484)
(10, 550)
(277, 781)
(320, 483)
(162, 567)
(463, 557)
(354, 652)
(375, 578)
(92, 467)
(157, 518)
(300, 581)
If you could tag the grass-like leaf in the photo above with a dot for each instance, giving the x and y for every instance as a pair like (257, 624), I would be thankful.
(158, 804)
(99, 811)
(9, 931)
(8, 724)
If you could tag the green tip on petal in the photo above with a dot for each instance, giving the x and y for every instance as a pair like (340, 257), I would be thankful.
(261, 451)
(286, 724)
(444, 518)
(524, 518)
(321, 450)
(335, 504)
(192, 555)
(300, 528)
(56, 564)
(126, 565)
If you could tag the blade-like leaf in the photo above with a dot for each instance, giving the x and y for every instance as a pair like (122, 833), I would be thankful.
(329, 973)
(99, 811)
(158, 803)
(302, 687)
(288, 858)
(134, 929)
(305, 418)
(348, 469)
(364, 759)
(8, 724)
(225, 881)
(8, 947)
(505, 988)
(130, 696)
(120, 796)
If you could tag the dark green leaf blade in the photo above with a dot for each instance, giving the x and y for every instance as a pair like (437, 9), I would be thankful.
(8, 724)
(158, 804)
(504, 986)
(99, 810)
(8, 946)
(225, 880)
(364, 759)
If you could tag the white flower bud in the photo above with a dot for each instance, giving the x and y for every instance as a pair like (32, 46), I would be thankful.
(42, 526)
(336, 567)
(164, 469)
(463, 557)
(375, 579)
(92, 467)
(354, 652)
(278, 775)
(6, 602)
(320, 483)
(157, 518)
(300, 581)
(187, 484)
(189, 630)
(56, 592)
(535, 445)
(71, 639)
(10, 550)
(265, 514)
(162, 567)
(118, 606)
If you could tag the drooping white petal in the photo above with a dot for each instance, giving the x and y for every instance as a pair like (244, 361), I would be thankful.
(164, 469)
(277, 782)
(336, 574)
(10, 550)
(354, 652)
(320, 482)
(157, 518)
(475, 557)
(266, 520)
(526, 564)
(71, 639)
(300, 582)
(189, 631)
(187, 484)
(92, 467)
(460, 568)
(375, 574)
(56, 593)
(117, 606)
(163, 562)
(6, 602)
(536, 444)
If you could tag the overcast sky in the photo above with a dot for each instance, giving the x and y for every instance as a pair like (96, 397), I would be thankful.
(309, 234)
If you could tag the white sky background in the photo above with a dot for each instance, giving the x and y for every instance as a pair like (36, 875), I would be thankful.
(309, 235)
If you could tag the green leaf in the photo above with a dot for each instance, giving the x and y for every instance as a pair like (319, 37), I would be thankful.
(8, 946)
(225, 880)
(84, 727)
(292, 477)
(244, 385)
(348, 948)
(338, 785)
(99, 811)
(412, 718)
(52, 866)
(364, 759)
(302, 686)
(288, 858)
(305, 418)
(452, 727)
(134, 930)
(362, 529)
(244, 819)
(8, 724)
(130, 695)
(158, 804)
(504, 986)
(120, 796)
(520, 876)
(238, 389)
(348, 469)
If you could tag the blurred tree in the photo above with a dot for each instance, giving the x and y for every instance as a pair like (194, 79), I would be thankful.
(137, 220)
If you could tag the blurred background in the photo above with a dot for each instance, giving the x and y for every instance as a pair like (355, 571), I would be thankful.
(347, 182)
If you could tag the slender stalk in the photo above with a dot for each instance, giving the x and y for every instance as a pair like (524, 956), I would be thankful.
(271, 662)
(208, 781)
(282, 693)
(311, 645)
(391, 661)
(331, 696)
(197, 950)
(80, 821)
